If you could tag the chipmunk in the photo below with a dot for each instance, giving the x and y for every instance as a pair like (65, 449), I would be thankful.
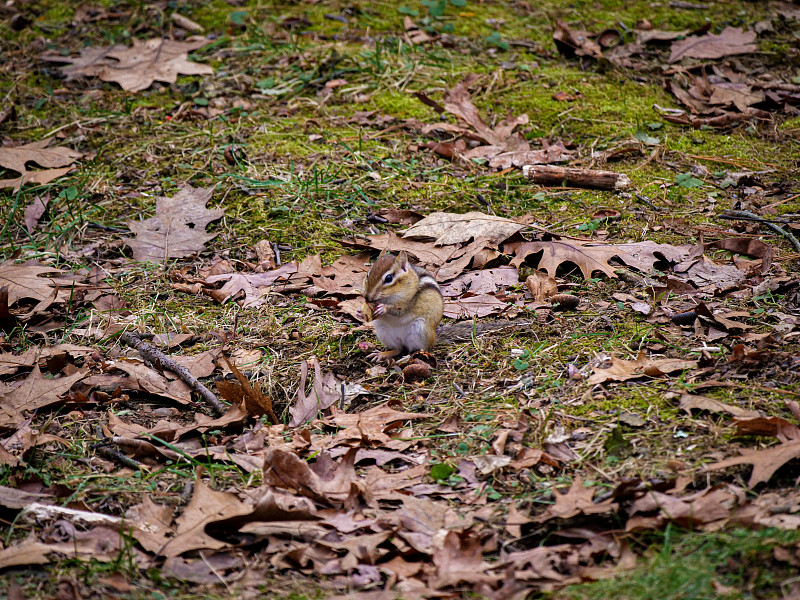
(406, 304)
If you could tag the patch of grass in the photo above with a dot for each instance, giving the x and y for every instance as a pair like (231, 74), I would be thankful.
(737, 563)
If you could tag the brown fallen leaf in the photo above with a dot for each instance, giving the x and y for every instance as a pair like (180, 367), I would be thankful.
(152, 524)
(623, 370)
(23, 281)
(345, 276)
(35, 210)
(542, 286)
(452, 228)
(576, 501)
(575, 43)
(327, 482)
(179, 228)
(502, 145)
(34, 393)
(207, 505)
(414, 34)
(765, 462)
(324, 393)
(399, 216)
(592, 256)
(485, 281)
(730, 42)
(471, 305)
(212, 568)
(460, 559)
(255, 401)
(710, 505)
(15, 159)
(692, 401)
(784, 430)
(135, 68)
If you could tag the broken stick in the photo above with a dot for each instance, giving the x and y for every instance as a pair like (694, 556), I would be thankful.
(162, 361)
(586, 178)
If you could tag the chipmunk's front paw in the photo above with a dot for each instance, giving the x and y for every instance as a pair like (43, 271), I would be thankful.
(382, 357)
(380, 309)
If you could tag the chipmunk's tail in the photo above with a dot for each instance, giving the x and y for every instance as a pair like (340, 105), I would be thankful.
(461, 331)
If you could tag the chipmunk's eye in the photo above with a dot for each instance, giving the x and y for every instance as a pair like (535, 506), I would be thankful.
(388, 279)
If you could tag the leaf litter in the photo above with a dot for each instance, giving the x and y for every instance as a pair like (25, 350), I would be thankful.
(359, 494)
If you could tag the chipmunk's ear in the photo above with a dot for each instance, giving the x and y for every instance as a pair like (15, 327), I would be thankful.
(402, 260)
(382, 254)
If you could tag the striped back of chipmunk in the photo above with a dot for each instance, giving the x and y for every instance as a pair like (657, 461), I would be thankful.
(426, 280)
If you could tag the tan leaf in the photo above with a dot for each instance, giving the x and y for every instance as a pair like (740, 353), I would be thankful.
(15, 159)
(623, 370)
(34, 393)
(709, 46)
(136, 68)
(460, 559)
(541, 285)
(34, 211)
(179, 228)
(374, 425)
(24, 281)
(691, 401)
(577, 501)
(453, 228)
(502, 139)
(207, 505)
(325, 391)
(486, 281)
(152, 524)
(592, 256)
(468, 306)
(414, 33)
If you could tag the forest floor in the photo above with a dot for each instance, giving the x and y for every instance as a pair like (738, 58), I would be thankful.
(626, 422)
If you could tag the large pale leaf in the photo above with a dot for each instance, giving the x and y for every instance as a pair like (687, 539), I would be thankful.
(179, 228)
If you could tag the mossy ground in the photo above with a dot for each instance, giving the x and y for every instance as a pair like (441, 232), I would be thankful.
(306, 192)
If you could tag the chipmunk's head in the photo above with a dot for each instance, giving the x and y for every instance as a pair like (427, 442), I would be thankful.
(387, 277)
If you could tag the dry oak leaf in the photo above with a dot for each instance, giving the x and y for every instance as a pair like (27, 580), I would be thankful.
(452, 228)
(709, 46)
(623, 370)
(692, 401)
(577, 501)
(323, 394)
(590, 256)
(136, 68)
(152, 524)
(16, 158)
(207, 505)
(37, 391)
(179, 228)
(765, 462)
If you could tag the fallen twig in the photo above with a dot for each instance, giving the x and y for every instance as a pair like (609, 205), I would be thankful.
(585, 178)
(746, 214)
(162, 361)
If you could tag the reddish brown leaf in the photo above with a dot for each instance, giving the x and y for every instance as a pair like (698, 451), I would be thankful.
(709, 46)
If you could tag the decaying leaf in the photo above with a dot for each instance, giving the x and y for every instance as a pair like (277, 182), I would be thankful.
(765, 462)
(135, 68)
(592, 256)
(730, 42)
(35, 210)
(578, 500)
(452, 228)
(179, 228)
(541, 285)
(323, 394)
(37, 391)
(502, 145)
(623, 370)
(17, 157)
